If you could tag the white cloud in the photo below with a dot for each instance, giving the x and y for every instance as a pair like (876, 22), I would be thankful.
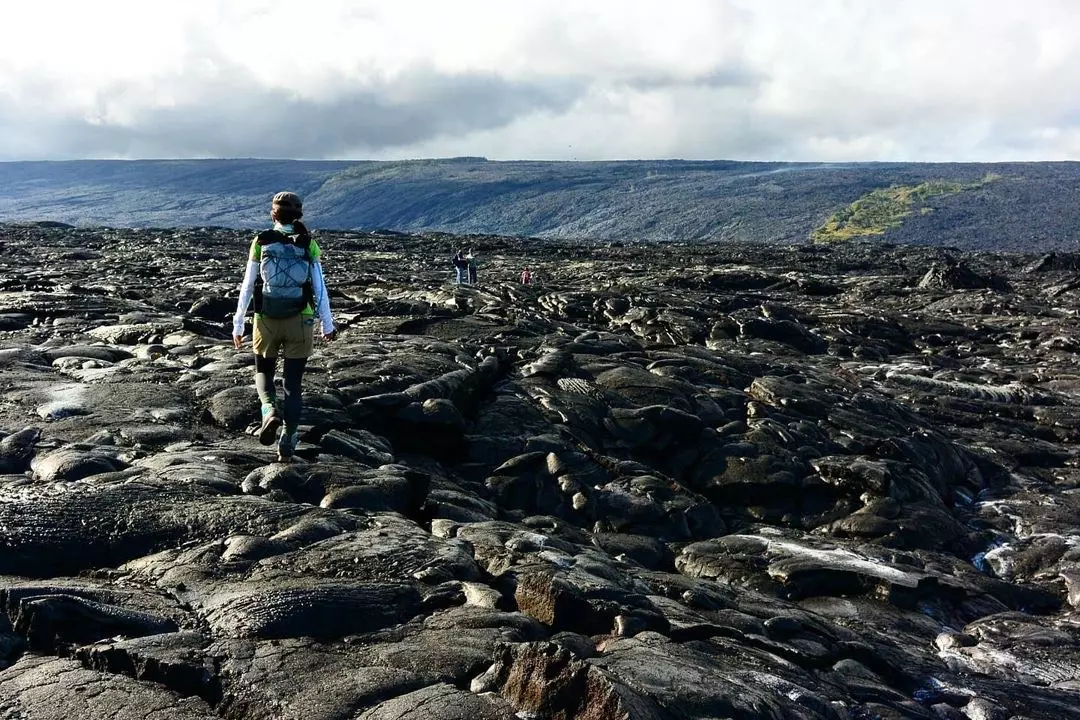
(550, 79)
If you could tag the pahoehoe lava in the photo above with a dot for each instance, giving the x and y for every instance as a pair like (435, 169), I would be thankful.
(659, 483)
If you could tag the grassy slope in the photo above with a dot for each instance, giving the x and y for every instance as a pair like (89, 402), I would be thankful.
(884, 209)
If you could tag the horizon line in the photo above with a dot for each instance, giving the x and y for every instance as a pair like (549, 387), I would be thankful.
(482, 159)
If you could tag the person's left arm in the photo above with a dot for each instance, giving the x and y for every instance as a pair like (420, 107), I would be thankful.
(322, 296)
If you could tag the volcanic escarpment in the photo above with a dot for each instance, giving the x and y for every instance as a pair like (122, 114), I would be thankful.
(690, 482)
(1024, 206)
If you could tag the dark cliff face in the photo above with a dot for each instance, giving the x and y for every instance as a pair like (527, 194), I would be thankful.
(1029, 207)
(691, 482)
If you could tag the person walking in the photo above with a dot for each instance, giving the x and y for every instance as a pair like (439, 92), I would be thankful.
(284, 278)
(526, 277)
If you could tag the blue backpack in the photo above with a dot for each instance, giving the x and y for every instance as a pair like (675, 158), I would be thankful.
(283, 288)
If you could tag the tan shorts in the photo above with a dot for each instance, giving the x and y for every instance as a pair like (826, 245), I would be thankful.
(291, 337)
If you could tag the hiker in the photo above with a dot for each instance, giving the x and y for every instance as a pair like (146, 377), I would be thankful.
(284, 278)
(472, 268)
(526, 277)
(461, 266)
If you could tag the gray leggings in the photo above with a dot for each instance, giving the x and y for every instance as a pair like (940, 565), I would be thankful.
(293, 375)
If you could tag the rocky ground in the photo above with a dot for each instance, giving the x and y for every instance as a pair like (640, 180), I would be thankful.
(659, 484)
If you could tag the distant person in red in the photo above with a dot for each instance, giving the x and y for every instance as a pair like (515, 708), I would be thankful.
(526, 277)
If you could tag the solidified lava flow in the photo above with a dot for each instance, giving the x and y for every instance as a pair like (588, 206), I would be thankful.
(695, 481)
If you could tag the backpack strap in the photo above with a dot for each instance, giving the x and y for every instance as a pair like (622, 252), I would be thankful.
(268, 237)
(302, 241)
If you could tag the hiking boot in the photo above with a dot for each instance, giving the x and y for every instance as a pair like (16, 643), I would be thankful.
(286, 444)
(270, 424)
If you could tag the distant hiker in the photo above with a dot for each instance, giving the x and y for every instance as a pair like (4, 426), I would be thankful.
(526, 277)
(472, 268)
(284, 277)
(461, 266)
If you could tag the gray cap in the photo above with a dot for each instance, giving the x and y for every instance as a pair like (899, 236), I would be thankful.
(287, 200)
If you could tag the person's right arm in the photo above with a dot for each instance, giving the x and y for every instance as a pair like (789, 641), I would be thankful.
(247, 291)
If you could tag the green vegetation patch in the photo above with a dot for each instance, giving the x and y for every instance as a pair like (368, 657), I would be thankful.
(886, 208)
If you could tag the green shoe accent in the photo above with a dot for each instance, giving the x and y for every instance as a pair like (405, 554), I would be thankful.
(271, 421)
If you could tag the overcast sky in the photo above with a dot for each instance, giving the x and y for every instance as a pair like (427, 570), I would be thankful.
(829, 80)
